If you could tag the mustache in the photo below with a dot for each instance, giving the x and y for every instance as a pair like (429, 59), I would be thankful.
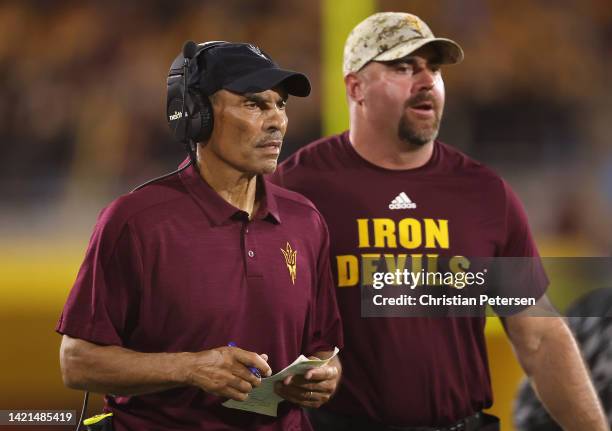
(275, 136)
(419, 98)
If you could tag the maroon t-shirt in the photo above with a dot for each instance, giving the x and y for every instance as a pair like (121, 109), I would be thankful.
(421, 371)
(173, 267)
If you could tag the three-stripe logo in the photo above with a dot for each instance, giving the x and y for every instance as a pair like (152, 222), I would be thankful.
(402, 202)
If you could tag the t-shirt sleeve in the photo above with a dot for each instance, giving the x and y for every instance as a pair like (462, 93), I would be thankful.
(325, 326)
(102, 305)
(520, 270)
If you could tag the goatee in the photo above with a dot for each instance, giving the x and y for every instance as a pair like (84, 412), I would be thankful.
(414, 131)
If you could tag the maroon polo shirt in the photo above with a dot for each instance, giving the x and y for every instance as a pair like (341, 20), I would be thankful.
(173, 267)
(420, 371)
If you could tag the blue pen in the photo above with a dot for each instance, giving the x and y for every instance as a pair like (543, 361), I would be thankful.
(253, 370)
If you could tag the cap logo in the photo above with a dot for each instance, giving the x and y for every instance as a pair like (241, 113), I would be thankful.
(257, 51)
(414, 24)
(291, 261)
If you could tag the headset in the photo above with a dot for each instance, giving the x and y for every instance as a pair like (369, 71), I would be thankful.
(189, 112)
(188, 109)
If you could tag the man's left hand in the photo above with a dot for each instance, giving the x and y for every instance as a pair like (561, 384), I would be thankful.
(312, 389)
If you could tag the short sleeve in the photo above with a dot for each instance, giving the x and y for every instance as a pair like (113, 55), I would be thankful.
(517, 240)
(102, 306)
(325, 325)
(520, 270)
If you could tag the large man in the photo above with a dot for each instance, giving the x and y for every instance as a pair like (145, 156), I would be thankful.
(208, 256)
(391, 192)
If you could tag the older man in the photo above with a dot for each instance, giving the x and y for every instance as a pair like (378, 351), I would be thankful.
(209, 256)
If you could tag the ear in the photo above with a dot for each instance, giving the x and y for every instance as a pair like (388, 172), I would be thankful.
(354, 87)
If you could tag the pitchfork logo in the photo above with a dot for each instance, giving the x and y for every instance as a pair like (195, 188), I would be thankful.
(257, 51)
(414, 24)
(291, 261)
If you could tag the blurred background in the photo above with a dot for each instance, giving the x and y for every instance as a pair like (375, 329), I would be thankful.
(82, 120)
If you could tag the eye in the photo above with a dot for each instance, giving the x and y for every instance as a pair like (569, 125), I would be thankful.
(282, 104)
(249, 104)
(435, 67)
(402, 67)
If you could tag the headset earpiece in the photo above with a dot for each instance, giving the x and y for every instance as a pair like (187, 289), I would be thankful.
(189, 112)
(203, 120)
(175, 115)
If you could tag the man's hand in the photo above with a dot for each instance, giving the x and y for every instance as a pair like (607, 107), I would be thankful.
(314, 388)
(224, 371)
(116, 370)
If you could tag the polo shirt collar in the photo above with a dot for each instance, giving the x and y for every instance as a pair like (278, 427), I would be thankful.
(217, 209)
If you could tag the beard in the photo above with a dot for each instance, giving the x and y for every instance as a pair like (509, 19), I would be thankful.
(419, 132)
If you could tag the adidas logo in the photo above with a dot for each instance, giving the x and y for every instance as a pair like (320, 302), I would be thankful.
(402, 202)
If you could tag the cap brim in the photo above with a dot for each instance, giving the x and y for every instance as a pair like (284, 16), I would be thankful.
(450, 51)
(294, 83)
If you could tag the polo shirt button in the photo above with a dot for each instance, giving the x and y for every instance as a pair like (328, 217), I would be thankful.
(251, 253)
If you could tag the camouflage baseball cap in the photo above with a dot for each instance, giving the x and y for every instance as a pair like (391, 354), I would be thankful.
(389, 36)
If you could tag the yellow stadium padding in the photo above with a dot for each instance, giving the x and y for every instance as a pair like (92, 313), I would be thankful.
(338, 18)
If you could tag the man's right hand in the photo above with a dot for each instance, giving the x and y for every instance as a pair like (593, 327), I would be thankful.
(224, 371)
(116, 370)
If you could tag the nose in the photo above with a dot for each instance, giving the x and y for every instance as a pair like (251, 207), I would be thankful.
(425, 80)
(276, 120)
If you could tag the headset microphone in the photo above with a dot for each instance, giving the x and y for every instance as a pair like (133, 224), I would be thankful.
(189, 49)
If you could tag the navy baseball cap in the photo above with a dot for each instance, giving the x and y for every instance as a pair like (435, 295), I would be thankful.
(243, 68)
